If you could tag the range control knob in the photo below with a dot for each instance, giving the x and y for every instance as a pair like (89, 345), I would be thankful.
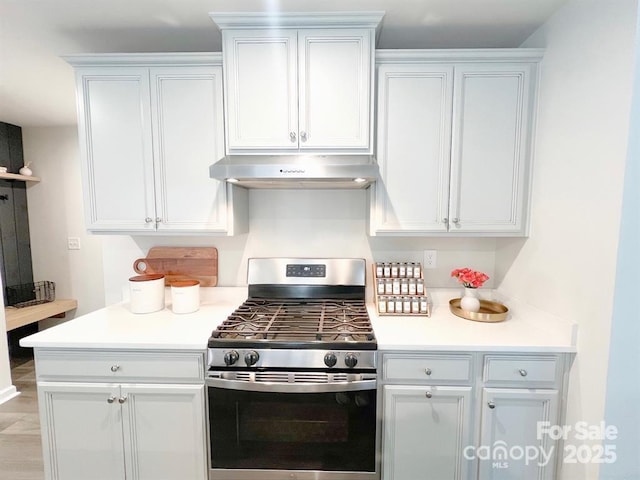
(251, 358)
(330, 359)
(231, 357)
(350, 360)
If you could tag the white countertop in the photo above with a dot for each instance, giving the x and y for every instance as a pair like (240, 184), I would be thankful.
(525, 330)
(116, 327)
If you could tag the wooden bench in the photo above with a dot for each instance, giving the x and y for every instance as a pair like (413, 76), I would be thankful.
(18, 317)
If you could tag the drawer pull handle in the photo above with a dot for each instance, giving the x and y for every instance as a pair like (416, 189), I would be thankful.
(491, 405)
(522, 372)
(429, 394)
(115, 368)
(111, 399)
(427, 371)
(123, 399)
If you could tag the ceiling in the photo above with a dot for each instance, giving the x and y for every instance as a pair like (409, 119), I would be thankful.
(37, 86)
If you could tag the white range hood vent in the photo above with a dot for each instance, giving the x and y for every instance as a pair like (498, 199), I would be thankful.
(297, 171)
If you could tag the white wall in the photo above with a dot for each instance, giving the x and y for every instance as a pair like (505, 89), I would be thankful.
(56, 213)
(623, 387)
(567, 266)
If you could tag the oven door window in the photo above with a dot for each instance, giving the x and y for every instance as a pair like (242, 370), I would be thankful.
(292, 431)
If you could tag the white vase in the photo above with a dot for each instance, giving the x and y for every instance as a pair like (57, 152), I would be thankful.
(469, 300)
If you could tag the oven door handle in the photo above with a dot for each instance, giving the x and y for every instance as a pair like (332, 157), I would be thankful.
(281, 387)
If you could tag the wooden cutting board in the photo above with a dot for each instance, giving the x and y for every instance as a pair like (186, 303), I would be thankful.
(181, 263)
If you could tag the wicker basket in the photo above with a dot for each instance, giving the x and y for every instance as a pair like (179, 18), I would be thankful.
(29, 294)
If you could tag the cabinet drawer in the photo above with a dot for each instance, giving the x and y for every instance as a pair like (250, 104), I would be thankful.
(427, 368)
(530, 370)
(85, 365)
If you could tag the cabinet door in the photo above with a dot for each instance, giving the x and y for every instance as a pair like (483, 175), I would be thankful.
(510, 419)
(425, 430)
(335, 68)
(81, 431)
(164, 432)
(490, 153)
(261, 89)
(188, 137)
(114, 125)
(413, 149)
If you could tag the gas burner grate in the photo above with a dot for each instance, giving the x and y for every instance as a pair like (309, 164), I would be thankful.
(298, 320)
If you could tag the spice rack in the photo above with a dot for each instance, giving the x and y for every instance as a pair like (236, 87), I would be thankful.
(399, 289)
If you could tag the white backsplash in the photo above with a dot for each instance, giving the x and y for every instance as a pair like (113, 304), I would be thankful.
(302, 223)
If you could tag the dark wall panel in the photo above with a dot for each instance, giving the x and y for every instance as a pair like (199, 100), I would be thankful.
(5, 157)
(15, 245)
(16, 155)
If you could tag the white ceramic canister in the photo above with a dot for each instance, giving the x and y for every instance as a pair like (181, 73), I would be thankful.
(185, 296)
(146, 293)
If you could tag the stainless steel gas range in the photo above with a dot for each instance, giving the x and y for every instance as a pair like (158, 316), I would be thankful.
(291, 380)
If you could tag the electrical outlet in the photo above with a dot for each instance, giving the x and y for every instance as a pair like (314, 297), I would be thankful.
(73, 243)
(430, 259)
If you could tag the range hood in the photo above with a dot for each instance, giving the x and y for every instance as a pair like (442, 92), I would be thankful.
(297, 171)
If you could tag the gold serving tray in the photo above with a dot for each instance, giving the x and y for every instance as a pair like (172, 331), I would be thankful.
(489, 311)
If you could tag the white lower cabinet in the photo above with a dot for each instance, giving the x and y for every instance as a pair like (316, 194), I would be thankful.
(509, 434)
(475, 416)
(128, 431)
(427, 412)
(426, 431)
(81, 432)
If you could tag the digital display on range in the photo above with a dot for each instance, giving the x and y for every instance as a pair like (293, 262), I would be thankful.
(294, 270)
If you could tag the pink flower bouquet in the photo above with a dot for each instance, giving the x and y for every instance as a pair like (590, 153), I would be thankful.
(469, 278)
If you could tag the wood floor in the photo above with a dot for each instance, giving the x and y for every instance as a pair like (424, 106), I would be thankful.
(20, 447)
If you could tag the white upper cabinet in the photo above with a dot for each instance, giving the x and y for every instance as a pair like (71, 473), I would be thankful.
(115, 146)
(150, 126)
(305, 85)
(414, 147)
(186, 111)
(334, 89)
(454, 142)
(490, 148)
(261, 85)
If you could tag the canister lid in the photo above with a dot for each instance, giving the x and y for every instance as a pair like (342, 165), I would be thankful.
(147, 277)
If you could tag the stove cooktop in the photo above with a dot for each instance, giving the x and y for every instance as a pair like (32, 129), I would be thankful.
(295, 323)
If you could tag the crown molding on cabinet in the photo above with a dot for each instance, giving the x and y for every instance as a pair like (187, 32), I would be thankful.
(297, 20)
(493, 55)
(145, 59)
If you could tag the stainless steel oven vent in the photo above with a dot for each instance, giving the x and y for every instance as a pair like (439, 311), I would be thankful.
(297, 171)
(290, 377)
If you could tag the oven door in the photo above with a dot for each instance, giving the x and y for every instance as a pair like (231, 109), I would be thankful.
(275, 430)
